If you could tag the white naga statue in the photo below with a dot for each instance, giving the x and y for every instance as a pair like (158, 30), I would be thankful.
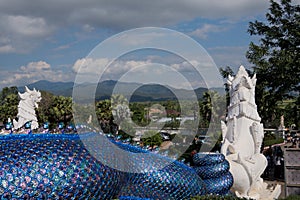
(242, 139)
(26, 108)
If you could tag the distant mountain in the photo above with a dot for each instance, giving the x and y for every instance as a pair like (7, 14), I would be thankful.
(135, 92)
(57, 88)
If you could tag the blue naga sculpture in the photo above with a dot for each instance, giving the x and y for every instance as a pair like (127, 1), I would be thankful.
(45, 166)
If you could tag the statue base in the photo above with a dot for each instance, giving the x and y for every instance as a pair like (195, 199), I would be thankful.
(264, 192)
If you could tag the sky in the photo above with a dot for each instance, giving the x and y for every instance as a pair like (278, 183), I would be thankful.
(51, 40)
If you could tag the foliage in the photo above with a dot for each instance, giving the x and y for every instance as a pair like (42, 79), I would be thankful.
(9, 107)
(272, 142)
(291, 197)
(190, 125)
(270, 139)
(151, 138)
(43, 112)
(276, 57)
(290, 109)
(139, 113)
(7, 91)
(85, 115)
(127, 130)
(212, 108)
(173, 124)
(53, 109)
(61, 110)
(225, 73)
(9, 101)
(104, 115)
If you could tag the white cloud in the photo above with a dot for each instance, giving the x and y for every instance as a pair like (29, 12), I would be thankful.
(90, 70)
(33, 71)
(89, 65)
(7, 48)
(36, 66)
(206, 29)
(27, 24)
(140, 38)
(21, 34)
(94, 70)
(87, 28)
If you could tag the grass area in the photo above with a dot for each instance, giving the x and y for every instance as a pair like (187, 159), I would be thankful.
(273, 141)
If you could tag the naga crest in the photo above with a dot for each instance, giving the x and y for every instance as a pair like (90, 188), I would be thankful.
(242, 87)
(26, 109)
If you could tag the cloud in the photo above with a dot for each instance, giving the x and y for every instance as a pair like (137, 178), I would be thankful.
(87, 28)
(206, 29)
(36, 66)
(140, 38)
(126, 14)
(33, 71)
(6, 48)
(20, 34)
(89, 65)
(94, 70)
(89, 69)
(25, 25)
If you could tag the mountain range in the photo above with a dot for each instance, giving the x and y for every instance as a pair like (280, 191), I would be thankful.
(135, 92)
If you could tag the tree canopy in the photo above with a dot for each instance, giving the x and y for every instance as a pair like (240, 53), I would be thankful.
(276, 57)
(8, 103)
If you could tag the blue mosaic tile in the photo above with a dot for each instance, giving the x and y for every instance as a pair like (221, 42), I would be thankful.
(49, 166)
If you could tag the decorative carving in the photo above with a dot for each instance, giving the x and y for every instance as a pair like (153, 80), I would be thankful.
(26, 108)
(242, 139)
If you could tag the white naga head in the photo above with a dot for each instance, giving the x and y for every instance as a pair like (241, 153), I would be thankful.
(26, 109)
(241, 79)
(33, 97)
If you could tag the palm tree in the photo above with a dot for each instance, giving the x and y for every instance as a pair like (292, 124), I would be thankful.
(212, 107)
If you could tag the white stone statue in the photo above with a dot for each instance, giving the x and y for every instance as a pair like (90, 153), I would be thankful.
(242, 139)
(26, 108)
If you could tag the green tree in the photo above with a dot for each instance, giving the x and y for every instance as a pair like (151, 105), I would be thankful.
(7, 91)
(212, 108)
(43, 111)
(127, 131)
(9, 101)
(9, 107)
(61, 110)
(139, 113)
(276, 58)
(113, 113)
(151, 138)
(225, 73)
(85, 114)
(104, 115)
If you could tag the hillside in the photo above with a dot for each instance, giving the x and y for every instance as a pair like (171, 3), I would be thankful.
(134, 91)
